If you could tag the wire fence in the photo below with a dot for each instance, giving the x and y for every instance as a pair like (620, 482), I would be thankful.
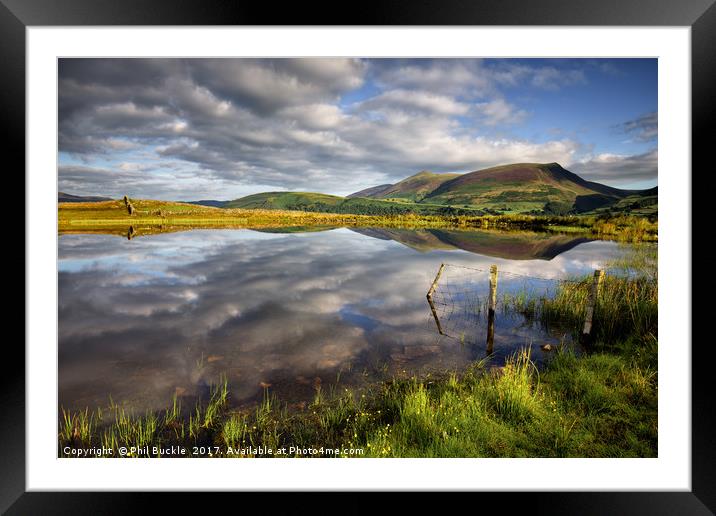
(461, 299)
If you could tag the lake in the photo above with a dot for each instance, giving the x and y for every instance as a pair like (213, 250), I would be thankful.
(143, 319)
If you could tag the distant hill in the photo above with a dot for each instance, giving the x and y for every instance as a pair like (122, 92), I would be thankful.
(212, 203)
(644, 203)
(414, 188)
(519, 187)
(284, 200)
(316, 202)
(65, 197)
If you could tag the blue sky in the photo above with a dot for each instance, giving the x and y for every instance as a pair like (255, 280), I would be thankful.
(223, 128)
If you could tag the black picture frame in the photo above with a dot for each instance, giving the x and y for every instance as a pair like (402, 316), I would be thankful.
(700, 15)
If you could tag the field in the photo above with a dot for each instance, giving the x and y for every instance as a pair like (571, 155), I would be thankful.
(156, 216)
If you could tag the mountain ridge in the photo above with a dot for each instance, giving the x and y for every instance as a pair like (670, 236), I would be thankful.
(518, 188)
(65, 197)
(526, 186)
(416, 187)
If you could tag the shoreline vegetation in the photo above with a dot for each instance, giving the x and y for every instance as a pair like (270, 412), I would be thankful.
(149, 216)
(600, 403)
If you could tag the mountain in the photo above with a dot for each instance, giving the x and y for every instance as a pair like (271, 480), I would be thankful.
(532, 188)
(373, 191)
(413, 188)
(520, 182)
(65, 197)
(520, 187)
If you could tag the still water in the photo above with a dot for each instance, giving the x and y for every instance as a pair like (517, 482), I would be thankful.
(143, 319)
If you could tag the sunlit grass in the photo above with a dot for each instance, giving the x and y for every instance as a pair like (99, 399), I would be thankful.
(627, 303)
(157, 216)
(600, 405)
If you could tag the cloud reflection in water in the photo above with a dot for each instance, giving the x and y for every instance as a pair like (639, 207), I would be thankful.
(140, 320)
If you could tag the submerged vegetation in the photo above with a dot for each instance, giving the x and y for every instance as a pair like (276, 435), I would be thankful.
(149, 216)
(599, 403)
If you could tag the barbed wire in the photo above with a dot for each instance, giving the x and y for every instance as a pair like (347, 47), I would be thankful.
(459, 304)
(516, 274)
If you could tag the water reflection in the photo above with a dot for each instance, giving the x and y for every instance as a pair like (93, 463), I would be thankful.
(146, 318)
(513, 245)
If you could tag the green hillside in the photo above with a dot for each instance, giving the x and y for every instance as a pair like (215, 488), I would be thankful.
(520, 188)
(373, 191)
(284, 201)
(643, 204)
(316, 202)
(518, 183)
(515, 188)
(415, 188)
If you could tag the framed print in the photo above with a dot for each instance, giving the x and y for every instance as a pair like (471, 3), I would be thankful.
(435, 250)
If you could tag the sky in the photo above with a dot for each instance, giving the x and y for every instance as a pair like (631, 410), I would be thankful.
(191, 129)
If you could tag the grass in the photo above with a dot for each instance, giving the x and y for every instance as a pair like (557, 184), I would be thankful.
(627, 302)
(624, 306)
(118, 427)
(160, 216)
(577, 407)
(600, 403)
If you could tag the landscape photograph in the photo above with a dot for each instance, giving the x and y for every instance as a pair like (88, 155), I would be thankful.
(357, 258)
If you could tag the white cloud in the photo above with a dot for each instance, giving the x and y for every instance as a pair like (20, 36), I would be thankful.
(499, 111)
(193, 128)
(619, 168)
(268, 85)
(314, 116)
(415, 102)
(446, 77)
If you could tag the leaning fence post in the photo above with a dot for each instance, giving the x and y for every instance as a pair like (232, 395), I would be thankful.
(435, 281)
(491, 309)
(591, 302)
(430, 298)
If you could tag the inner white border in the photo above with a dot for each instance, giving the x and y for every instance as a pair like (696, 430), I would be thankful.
(670, 471)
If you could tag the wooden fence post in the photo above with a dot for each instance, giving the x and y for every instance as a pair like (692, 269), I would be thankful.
(493, 289)
(591, 302)
(434, 285)
(491, 310)
(429, 295)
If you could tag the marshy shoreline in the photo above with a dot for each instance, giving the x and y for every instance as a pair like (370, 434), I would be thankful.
(149, 216)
